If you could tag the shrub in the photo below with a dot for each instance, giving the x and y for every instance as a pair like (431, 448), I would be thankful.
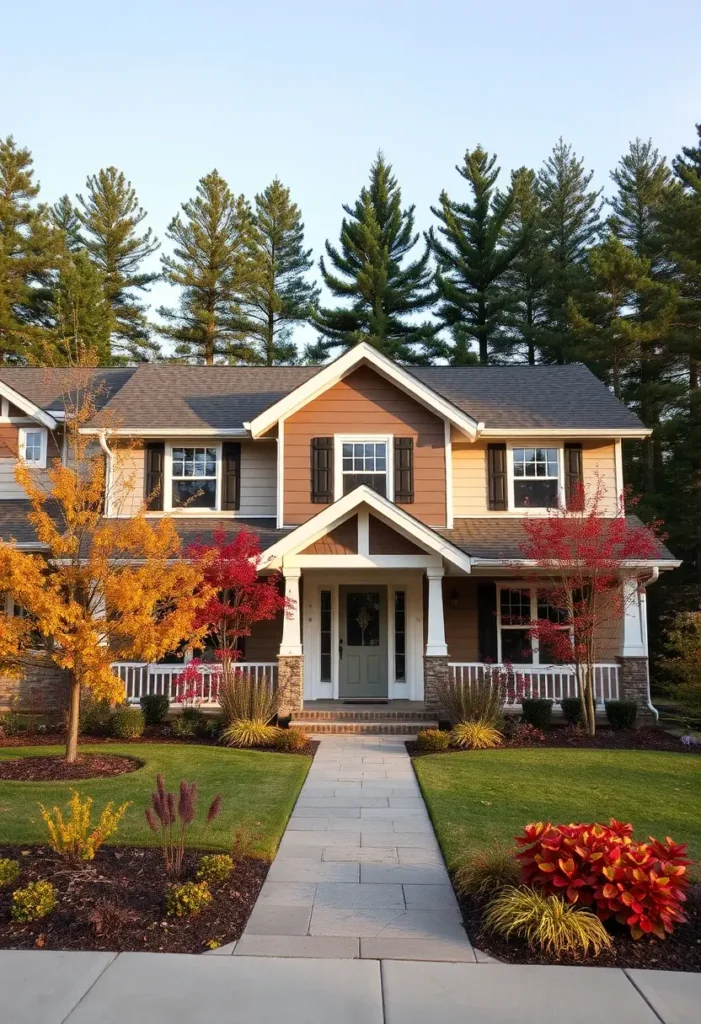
(215, 867)
(187, 899)
(527, 735)
(74, 837)
(572, 710)
(247, 732)
(477, 700)
(291, 739)
(155, 707)
(244, 698)
(189, 723)
(33, 902)
(432, 740)
(536, 711)
(546, 922)
(475, 736)
(95, 717)
(487, 871)
(170, 817)
(213, 726)
(621, 713)
(642, 885)
(128, 723)
(9, 871)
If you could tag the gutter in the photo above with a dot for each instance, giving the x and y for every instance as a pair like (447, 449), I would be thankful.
(108, 474)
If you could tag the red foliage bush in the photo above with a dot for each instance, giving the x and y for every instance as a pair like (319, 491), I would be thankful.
(642, 885)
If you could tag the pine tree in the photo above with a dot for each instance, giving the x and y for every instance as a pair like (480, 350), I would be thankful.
(110, 217)
(572, 222)
(473, 256)
(28, 254)
(210, 264)
(372, 272)
(278, 295)
(64, 217)
(527, 277)
(81, 315)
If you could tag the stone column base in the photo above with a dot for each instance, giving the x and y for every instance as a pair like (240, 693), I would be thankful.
(290, 683)
(634, 683)
(36, 688)
(436, 675)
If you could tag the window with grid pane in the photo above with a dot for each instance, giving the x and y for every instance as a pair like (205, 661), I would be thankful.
(364, 462)
(515, 614)
(194, 477)
(558, 616)
(536, 477)
(33, 446)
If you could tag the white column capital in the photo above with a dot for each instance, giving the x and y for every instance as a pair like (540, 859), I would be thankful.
(291, 571)
(435, 572)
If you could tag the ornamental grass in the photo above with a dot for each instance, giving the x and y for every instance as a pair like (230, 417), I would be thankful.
(475, 736)
(546, 922)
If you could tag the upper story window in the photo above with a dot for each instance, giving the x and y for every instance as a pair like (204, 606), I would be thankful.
(32, 446)
(536, 477)
(365, 462)
(194, 477)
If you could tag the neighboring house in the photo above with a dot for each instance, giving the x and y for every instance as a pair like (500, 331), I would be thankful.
(392, 499)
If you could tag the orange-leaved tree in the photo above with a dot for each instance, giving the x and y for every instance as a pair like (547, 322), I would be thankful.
(99, 590)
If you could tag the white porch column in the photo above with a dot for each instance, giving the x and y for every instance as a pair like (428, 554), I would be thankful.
(291, 643)
(634, 624)
(436, 646)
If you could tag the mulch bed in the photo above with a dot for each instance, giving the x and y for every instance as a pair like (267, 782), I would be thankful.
(57, 769)
(680, 951)
(605, 739)
(116, 902)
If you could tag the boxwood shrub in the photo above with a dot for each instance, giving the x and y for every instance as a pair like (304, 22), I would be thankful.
(128, 723)
(572, 710)
(155, 707)
(621, 713)
(536, 711)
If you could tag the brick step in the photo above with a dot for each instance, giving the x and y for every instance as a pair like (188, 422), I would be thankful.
(386, 728)
(363, 715)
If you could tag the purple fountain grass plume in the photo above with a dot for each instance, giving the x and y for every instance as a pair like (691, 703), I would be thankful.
(187, 802)
(151, 819)
(214, 808)
(171, 809)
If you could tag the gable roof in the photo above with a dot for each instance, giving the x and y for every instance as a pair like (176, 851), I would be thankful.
(47, 386)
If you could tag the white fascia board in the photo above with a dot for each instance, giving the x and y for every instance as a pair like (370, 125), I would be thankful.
(345, 364)
(166, 431)
(530, 563)
(319, 524)
(45, 418)
(526, 432)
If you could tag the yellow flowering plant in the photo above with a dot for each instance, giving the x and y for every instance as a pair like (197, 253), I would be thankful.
(74, 836)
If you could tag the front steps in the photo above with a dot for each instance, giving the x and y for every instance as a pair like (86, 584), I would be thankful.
(366, 719)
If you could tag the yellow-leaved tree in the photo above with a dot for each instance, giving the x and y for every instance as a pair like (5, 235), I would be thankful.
(99, 590)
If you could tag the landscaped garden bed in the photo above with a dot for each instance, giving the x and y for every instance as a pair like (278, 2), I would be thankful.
(54, 767)
(605, 739)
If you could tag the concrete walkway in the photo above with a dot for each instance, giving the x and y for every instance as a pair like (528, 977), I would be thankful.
(43, 987)
(359, 872)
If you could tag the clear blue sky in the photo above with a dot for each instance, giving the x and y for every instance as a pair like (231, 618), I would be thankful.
(309, 90)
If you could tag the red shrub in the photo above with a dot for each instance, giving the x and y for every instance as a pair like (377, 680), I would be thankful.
(642, 885)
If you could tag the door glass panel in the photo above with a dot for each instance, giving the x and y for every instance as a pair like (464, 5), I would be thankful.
(363, 619)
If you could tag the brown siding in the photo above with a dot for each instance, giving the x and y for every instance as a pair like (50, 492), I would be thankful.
(8, 440)
(386, 541)
(342, 540)
(364, 401)
(264, 642)
(461, 622)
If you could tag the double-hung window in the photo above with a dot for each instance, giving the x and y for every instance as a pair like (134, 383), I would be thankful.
(365, 462)
(32, 446)
(516, 610)
(536, 476)
(194, 477)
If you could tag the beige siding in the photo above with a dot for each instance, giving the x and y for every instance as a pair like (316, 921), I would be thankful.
(599, 463)
(258, 478)
(127, 480)
(9, 439)
(9, 488)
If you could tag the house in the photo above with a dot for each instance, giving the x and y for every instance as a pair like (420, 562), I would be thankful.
(392, 499)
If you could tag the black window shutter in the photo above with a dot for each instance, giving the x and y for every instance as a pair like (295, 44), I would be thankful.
(322, 470)
(496, 478)
(574, 475)
(487, 621)
(404, 470)
(231, 476)
(153, 477)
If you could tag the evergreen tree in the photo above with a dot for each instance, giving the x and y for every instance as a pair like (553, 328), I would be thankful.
(110, 217)
(64, 217)
(372, 272)
(28, 254)
(527, 277)
(277, 295)
(81, 315)
(572, 223)
(210, 264)
(473, 256)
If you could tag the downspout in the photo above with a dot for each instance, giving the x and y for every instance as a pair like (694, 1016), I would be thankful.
(108, 471)
(653, 579)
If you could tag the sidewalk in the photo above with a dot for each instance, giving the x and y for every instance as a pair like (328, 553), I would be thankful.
(42, 987)
(359, 872)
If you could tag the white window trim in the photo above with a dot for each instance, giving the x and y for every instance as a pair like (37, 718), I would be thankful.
(560, 448)
(535, 646)
(168, 480)
(341, 439)
(22, 446)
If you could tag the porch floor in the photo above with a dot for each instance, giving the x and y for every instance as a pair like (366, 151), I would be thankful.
(370, 705)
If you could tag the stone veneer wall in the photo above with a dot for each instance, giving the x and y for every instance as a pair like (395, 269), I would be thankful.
(436, 674)
(290, 683)
(38, 688)
(633, 683)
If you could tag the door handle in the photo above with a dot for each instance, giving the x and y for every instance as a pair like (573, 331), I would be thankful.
(340, 650)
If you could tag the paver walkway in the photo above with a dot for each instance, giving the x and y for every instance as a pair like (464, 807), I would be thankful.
(359, 872)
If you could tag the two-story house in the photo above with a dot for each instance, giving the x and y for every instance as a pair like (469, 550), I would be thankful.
(391, 499)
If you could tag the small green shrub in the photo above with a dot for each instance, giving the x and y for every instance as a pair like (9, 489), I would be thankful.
(213, 726)
(291, 740)
(536, 711)
(155, 707)
(33, 902)
(187, 899)
(189, 724)
(487, 871)
(475, 736)
(249, 733)
(546, 922)
(128, 723)
(621, 713)
(9, 871)
(432, 740)
(215, 867)
(572, 710)
(96, 717)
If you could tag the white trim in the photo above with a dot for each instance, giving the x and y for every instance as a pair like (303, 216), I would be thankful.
(335, 371)
(646, 563)
(436, 646)
(533, 607)
(364, 533)
(618, 470)
(510, 478)
(22, 446)
(371, 438)
(448, 448)
(363, 561)
(555, 432)
(291, 641)
(193, 432)
(30, 408)
(168, 506)
(634, 626)
(280, 474)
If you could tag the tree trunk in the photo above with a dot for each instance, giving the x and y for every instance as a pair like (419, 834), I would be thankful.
(73, 720)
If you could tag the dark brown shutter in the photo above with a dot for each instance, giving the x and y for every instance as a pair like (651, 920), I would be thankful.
(574, 475)
(404, 470)
(496, 476)
(153, 477)
(322, 470)
(487, 621)
(231, 476)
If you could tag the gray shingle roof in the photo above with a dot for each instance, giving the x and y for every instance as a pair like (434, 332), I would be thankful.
(47, 386)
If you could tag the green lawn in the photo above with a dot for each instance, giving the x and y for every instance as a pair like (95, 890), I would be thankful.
(478, 797)
(259, 792)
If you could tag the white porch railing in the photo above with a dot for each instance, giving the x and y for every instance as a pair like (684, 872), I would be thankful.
(141, 678)
(548, 681)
